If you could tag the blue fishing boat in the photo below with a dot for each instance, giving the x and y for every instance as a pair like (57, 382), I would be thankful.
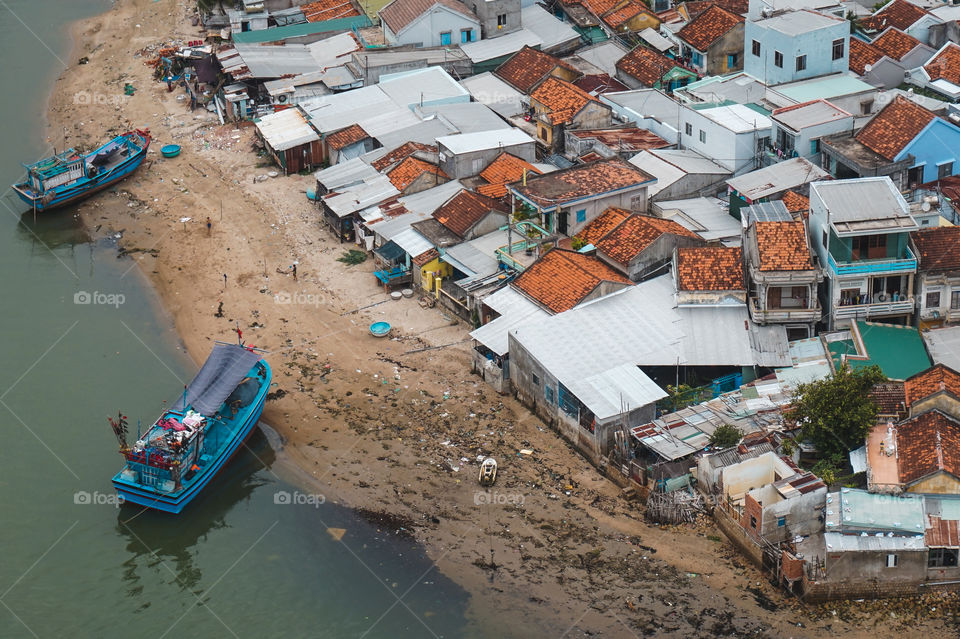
(69, 177)
(171, 464)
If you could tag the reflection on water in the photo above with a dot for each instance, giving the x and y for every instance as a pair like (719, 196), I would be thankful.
(155, 538)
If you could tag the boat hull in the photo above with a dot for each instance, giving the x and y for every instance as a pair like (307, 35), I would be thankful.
(84, 188)
(175, 502)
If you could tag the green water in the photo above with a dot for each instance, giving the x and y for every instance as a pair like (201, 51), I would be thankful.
(235, 563)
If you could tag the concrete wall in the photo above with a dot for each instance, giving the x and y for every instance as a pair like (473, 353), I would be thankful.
(715, 60)
(940, 483)
(657, 254)
(488, 10)
(741, 478)
(942, 401)
(736, 152)
(488, 224)
(886, 73)
(938, 143)
(861, 567)
(469, 164)
(631, 199)
(425, 30)
(802, 139)
(801, 515)
(816, 45)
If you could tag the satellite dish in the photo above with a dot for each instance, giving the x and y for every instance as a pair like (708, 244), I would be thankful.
(867, 68)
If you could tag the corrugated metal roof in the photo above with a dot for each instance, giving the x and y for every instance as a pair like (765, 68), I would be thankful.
(811, 114)
(427, 86)
(775, 211)
(836, 542)
(603, 55)
(855, 511)
(488, 89)
(482, 140)
(776, 178)
(430, 200)
(345, 174)
(615, 391)
(361, 196)
(412, 242)
(552, 31)
(425, 132)
(655, 40)
(491, 48)
(707, 217)
(286, 129)
(515, 310)
(844, 199)
(478, 255)
(944, 345)
(466, 117)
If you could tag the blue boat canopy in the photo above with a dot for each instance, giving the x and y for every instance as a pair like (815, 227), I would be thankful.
(220, 375)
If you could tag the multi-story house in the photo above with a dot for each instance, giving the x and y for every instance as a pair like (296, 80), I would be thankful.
(860, 230)
(712, 43)
(938, 274)
(782, 279)
(795, 45)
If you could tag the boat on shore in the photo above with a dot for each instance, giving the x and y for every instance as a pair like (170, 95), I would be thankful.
(171, 464)
(68, 177)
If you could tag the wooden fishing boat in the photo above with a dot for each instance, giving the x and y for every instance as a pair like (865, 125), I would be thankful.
(68, 177)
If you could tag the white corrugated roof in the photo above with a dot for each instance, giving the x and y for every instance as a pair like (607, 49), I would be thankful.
(616, 390)
(412, 242)
(344, 174)
(776, 178)
(737, 118)
(481, 140)
(361, 196)
(654, 39)
(286, 129)
(515, 310)
(551, 30)
(488, 89)
(490, 48)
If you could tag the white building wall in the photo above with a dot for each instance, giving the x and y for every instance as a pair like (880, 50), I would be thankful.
(736, 152)
(425, 31)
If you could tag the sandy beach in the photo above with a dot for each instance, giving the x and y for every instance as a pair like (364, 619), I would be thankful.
(394, 427)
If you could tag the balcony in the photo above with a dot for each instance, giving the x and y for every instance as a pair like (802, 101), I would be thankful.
(866, 311)
(778, 315)
(883, 265)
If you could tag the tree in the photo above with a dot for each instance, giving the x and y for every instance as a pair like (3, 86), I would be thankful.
(837, 412)
(725, 436)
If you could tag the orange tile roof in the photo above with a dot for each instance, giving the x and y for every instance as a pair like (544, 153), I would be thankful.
(926, 444)
(345, 137)
(598, 228)
(795, 202)
(697, 7)
(635, 234)
(562, 279)
(582, 180)
(861, 54)
(328, 10)
(710, 268)
(708, 27)
(646, 65)
(937, 248)
(402, 175)
(622, 14)
(626, 139)
(400, 13)
(426, 256)
(945, 65)
(528, 66)
(401, 152)
(461, 212)
(899, 13)
(933, 380)
(563, 99)
(505, 169)
(782, 246)
(894, 127)
(895, 43)
(889, 397)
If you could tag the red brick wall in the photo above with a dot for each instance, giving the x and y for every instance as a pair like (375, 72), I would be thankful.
(751, 509)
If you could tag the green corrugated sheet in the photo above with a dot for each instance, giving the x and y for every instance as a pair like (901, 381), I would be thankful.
(304, 29)
(897, 350)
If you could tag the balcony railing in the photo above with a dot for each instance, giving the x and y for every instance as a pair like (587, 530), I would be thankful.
(862, 311)
(762, 316)
(860, 267)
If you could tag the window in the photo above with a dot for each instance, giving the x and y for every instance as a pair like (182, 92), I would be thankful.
(801, 62)
(703, 136)
(838, 49)
(933, 299)
(756, 48)
(444, 38)
(942, 558)
(824, 239)
(781, 522)
(866, 107)
(581, 216)
(732, 60)
(954, 300)
(944, 170)
(501, 20)
(696, 58)
(778, 59)
(688, 128)
(753, 521)
(536, 380)
(466, 35)
(892, 561)
(542, 131)
(548, 393)
(814, 147)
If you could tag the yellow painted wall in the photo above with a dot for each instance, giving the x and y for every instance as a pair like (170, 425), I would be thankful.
(940, 484)
(641, 21)
(433, 266)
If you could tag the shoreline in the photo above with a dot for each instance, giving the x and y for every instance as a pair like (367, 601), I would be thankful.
(369, 422)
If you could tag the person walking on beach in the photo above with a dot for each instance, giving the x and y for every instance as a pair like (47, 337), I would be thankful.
(209, 226)
(294, 267)
(224, 280)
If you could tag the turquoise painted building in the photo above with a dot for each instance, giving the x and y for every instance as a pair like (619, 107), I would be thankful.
(935, 150)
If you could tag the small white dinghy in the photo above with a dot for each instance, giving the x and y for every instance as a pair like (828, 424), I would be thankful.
(488, 471)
